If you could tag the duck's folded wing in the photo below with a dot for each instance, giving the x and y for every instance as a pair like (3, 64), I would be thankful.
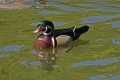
(72, 32)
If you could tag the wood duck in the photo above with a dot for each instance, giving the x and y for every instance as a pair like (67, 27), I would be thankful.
(50, 38)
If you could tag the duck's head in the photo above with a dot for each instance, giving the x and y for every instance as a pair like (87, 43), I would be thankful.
(44, 27)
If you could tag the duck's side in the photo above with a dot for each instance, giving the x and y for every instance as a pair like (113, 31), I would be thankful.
(64, 36)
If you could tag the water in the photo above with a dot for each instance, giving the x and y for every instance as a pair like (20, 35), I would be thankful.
(95, 19)
(95, 56)
(56, 23)
(104, 77)
(11, 48)
(115, 77)
(101, 62)
(116, 42)
(31, 63)
(115, 24)
(103, 47)
(2, 57)
(29, 2)
(42, 64)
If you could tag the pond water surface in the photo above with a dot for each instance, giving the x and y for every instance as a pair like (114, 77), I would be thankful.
(104, 19)
(96, 56)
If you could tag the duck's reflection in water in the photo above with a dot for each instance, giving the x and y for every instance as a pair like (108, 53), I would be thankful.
(49, 56)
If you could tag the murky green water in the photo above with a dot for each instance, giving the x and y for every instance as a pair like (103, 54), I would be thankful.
(96, 56)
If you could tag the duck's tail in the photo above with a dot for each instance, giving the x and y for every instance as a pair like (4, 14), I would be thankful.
(78, 31)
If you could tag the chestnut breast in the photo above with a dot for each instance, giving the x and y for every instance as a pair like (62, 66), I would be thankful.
(43, 41)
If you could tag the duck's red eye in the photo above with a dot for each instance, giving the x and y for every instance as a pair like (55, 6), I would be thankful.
(41, 29)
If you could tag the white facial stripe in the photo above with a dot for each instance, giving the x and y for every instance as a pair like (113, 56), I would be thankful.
(46, 28)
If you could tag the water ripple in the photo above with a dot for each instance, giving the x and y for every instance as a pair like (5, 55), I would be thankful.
(30, 62)
(104, 77)
(95, 19)
(116, 24)
(100, 62)
(60, 7)
(11, 48)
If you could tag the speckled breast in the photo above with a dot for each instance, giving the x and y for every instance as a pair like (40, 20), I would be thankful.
(43, 41)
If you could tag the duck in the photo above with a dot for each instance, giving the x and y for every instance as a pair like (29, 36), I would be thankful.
(49, 37)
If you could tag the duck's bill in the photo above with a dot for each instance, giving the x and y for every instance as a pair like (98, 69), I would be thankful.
(39, 30)
(36, 31)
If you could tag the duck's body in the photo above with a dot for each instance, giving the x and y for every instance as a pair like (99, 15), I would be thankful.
(52, 38)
